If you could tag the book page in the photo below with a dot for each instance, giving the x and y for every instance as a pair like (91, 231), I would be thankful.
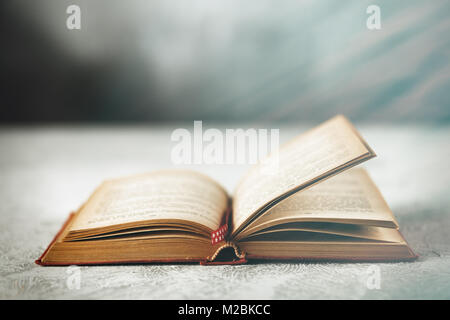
(316, 155)
(347, 197)
(340, 229)
(162, 195)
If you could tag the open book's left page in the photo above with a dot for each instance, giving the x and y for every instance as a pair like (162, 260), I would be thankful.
(165, 216)
(173, 197)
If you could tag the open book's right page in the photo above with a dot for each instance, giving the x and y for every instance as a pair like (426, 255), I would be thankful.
(349, 204)
(308, 159)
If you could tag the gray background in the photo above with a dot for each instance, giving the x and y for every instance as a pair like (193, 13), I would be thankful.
(78, 107)
(225, 60)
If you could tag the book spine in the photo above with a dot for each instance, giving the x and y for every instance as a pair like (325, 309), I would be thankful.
(220, 238)
(238, 256)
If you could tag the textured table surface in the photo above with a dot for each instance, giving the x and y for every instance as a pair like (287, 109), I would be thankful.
(46, 172)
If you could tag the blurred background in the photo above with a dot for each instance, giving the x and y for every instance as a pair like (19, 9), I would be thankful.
(81, 106)
(224, 60)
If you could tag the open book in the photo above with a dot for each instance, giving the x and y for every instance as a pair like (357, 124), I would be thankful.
(312, 207)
